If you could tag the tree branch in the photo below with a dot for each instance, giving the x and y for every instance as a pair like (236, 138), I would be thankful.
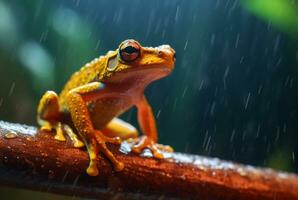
(34, 160)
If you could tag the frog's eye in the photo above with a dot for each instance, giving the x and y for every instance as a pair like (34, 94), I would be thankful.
(129, 51)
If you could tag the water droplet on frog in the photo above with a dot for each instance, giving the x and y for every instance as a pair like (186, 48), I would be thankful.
(10, 135)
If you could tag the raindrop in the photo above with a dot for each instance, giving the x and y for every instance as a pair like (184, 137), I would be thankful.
(225, 76)
(260, 89)
(241, 171)
(205, 138)
(202, 168)
(175, 105)
(185, 45)
(284, 129)
(11, 89)
(247, 100)
(64, 177)
(201, 85)
(212, 39)
(212, 108)
(51, 174)
(277, 134)
(29, 138)
(232, 136)
(183, 177)
(241, 60)
(10, 135)
(75, 181)
(213, 173)
(184, 91)
(58, 164)
(237, 41)
(177, 13)
(44, 36)
(258, 131)
(97, 44)
(208, 143)
(78, 3)
(158, 113)
(276, 43)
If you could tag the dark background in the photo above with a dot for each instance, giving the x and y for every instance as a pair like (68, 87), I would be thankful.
(232, 95)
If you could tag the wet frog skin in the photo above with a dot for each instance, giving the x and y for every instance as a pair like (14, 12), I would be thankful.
(100, 91)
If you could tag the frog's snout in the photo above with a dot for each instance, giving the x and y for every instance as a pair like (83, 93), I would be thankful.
(167, 52)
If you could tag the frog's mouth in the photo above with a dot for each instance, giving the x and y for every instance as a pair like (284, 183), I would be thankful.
(141, 74)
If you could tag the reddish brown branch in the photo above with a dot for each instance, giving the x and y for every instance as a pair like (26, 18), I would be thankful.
(36, 161)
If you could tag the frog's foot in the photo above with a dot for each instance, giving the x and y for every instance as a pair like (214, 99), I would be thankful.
(113, 140)
(147, 142)
(60, 129)
(97, 145)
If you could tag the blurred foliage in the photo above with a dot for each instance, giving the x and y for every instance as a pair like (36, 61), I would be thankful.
(232, 95)
(281, 13)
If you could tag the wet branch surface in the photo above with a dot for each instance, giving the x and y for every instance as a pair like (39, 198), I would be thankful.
(34, 160)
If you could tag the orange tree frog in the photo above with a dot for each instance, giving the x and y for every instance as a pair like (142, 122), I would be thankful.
(102, 90)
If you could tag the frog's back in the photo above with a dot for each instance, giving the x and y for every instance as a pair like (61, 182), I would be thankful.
(86, 74)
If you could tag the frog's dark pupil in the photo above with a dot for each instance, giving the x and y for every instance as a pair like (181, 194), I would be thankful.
(130, 50)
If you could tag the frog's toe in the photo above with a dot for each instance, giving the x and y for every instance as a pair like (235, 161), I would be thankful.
(60, 129)
(92, 169)
(119, 166)
(101, 143)
(165, 148)
(74, 138)
(54, 126)
(114, 140)
(78, 144)
(46, 127)
(59, 132)
(146, 142)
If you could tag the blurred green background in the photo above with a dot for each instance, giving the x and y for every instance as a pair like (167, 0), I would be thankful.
(234, 91)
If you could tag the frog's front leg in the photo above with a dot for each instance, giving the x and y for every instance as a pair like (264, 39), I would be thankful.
(48, 117)
(147, 123)
(95, 140)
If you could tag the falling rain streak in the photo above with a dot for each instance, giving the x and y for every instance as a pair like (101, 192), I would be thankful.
(11, 89)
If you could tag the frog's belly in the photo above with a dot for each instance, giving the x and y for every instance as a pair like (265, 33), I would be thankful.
(104, 110)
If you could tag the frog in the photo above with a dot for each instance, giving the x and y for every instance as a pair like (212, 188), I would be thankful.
(88, 107)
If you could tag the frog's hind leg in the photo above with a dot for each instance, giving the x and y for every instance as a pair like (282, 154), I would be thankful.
(119, 128)
(48, 114)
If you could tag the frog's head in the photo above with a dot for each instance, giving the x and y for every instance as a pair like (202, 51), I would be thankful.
(132, 61)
